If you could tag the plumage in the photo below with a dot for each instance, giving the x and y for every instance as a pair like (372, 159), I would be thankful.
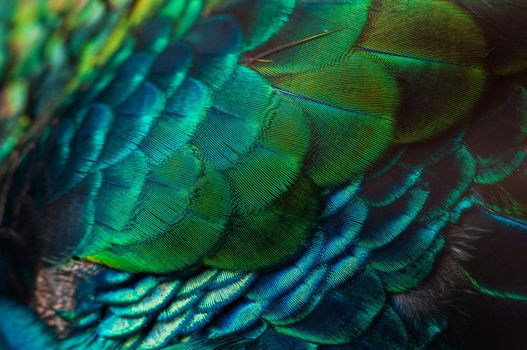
(261, 174)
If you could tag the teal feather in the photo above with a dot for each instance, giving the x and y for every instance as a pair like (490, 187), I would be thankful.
(259, 174)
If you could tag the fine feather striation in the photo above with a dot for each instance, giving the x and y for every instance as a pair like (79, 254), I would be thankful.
(315, 124)
(270, 173)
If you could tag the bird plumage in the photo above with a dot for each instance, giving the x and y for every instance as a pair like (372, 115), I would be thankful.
(263, 174)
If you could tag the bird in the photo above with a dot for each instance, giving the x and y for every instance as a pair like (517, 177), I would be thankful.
(263, 174)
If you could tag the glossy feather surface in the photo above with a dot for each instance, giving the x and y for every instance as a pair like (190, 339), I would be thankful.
(264, 174)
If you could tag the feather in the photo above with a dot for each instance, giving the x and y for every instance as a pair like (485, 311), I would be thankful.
(266, 174)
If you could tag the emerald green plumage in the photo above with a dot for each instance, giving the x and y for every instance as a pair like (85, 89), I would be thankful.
(259, 174)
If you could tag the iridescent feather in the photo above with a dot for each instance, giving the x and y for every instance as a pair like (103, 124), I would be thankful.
(260, 174)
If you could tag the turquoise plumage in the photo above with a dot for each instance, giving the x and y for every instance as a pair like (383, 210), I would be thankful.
(262, 174)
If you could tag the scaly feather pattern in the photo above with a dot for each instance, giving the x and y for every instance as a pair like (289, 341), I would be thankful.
(267, 174)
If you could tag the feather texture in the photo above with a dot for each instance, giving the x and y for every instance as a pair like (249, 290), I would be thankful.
(264, 174)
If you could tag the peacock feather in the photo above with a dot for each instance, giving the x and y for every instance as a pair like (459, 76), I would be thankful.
(263, 174)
